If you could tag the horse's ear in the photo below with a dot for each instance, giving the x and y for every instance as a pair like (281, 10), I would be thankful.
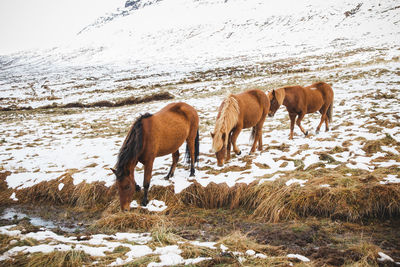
(114, 171)
(212, 135)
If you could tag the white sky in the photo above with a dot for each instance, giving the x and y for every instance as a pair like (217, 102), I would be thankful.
(26, 24)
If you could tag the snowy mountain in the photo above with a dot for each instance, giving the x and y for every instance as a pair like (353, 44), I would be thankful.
(169, 40)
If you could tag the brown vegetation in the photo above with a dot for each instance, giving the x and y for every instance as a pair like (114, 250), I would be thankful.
(349, 198)
(103, 103)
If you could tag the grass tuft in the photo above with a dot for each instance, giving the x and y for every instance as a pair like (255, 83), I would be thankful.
(69, 258)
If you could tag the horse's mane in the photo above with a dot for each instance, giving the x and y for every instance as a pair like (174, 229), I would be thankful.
(226, 121)
(132, 145)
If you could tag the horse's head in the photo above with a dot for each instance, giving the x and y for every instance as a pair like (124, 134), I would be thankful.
(219, 147)
(276, 98)
(126, 186)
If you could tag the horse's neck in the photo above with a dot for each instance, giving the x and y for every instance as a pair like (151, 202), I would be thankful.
(285, 98)
(228, 114)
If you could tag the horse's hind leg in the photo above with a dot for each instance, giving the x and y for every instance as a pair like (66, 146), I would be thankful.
(175, 158)
(298, 122)
(292, 117)
(324, 118)
(261, 123)
(326, 123)
(148, 168)
(191, 140)
(257, 139)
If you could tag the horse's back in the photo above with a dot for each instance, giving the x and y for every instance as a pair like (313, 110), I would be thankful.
(254, 104)
(320, 95)
(324, 89)
(254, 96)
(170, 127)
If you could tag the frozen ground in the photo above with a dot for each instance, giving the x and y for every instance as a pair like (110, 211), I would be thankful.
(39, 146)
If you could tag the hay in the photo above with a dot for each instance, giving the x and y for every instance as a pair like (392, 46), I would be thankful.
(86, 196)
(137, 220)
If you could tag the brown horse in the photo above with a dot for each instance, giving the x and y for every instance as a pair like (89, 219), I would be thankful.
(154, 136)
(302, 100)
(237, 112)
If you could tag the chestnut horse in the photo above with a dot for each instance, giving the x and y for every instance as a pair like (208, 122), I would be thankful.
(237, 112)
(302, 100)
(154, 136)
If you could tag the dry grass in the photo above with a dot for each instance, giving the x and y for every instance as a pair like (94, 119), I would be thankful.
(349, 198)
(373, 146)
(367, 254)
(137, 220)
(5, 191)
(121, 102)
(237, 241)
(162, 235)
(4, 243)
(70, 258)
(92, 196)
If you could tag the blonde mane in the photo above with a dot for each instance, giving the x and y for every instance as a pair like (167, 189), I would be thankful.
(226, 121)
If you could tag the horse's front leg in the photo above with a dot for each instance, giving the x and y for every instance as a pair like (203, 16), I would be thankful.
(235, 135)
(148, 168)
(228, 146)
(175, 158)
(292, 117)
(298, 122)
(132, 172)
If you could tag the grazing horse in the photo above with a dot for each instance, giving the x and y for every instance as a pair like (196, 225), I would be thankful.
(302, 100)
(237, 112)
(154, 136)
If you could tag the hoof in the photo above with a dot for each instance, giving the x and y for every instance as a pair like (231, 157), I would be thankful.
(144, 202)
(306, 133)
(239, 153)
(317, 132)
(137, 188)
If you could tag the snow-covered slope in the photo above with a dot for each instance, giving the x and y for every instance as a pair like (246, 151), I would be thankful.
(181, 36)
(172, 38)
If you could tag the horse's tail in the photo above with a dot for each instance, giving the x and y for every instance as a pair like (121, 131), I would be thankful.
(132, 146)
(253, 134)
(330, 112)
(196, 149)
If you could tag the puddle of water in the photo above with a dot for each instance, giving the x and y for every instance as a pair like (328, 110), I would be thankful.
(14, 214)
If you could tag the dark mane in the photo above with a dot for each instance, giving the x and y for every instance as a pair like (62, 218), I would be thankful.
(132, 145)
